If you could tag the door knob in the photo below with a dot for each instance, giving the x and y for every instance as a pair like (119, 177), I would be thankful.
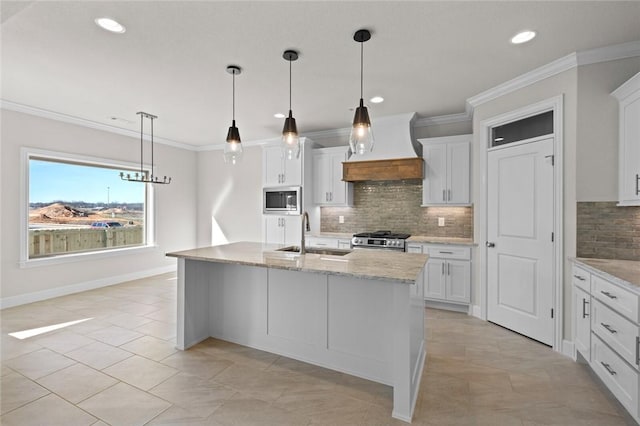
(490, 245)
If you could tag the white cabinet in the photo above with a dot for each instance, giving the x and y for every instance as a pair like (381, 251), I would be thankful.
(628, 96)
(280, 171)
(446, 170)
(283, 230)
(328, 242)
(447, 274)
(329, 188)
(607, 333)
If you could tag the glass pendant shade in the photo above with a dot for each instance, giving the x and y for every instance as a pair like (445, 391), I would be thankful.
(290, 138)
(233, 147)
(361, 137)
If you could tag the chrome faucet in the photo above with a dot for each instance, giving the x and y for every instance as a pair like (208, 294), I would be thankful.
(305, 219)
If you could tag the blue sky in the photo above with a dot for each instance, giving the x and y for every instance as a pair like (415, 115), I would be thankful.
(51, 181)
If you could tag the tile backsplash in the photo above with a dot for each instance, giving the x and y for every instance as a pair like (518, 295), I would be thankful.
(606, 231)
(395, 206)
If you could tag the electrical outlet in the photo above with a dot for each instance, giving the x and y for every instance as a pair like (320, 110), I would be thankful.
(441, 221)
(340, 219)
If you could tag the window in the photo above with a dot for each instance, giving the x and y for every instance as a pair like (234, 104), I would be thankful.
(78, 205)
(527, 128)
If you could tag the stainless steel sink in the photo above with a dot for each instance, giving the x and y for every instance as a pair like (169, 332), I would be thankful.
(315, 250)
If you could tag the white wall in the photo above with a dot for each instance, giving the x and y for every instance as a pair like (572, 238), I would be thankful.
(597, 155)
(229, 202)
(175, 208)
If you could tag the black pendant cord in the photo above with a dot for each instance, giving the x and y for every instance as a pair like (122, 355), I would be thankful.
(233, 102)
(361, 69)
(289, 85)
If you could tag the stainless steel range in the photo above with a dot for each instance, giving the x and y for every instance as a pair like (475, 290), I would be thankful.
(380, 240)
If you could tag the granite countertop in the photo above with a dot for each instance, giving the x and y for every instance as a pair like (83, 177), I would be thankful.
(345, 235)
(441, 240)
(623, 272)
(373, 264)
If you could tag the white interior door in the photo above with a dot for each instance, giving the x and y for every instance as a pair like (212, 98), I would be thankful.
(520, 279)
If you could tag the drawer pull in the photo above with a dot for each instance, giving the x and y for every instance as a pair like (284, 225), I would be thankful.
(609, 295)
(579, 277)
(609, 328)
(637, 350)
(445, 252)
(584, 308)
(608, 368)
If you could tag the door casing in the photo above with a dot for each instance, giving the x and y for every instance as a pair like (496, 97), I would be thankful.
(554, 104)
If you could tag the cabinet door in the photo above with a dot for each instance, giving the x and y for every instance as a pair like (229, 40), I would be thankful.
(272, 164)
(338, 188)
(582, 313)
(629, 181)
(458, 288)
(435, 279)
(458, 173)
(274, 229)
(434, 185)
(344, 244)
(292, 170)
(292, 229)
(321, 178)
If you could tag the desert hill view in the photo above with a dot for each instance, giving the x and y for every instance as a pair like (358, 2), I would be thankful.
(83, 214)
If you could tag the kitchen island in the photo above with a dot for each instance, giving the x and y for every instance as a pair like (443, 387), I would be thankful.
(361, 313)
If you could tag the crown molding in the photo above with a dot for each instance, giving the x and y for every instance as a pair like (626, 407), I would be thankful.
(460, 117)
(65, 118)
(586, 57)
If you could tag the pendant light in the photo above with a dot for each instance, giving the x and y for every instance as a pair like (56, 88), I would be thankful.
(361, 137)
(290, 138)
(144, 176)
(233, 147)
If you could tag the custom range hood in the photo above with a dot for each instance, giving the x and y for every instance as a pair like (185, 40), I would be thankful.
(395, 155)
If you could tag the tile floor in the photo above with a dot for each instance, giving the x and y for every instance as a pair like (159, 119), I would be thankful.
(119, 367)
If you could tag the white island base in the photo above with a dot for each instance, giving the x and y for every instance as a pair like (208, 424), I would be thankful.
(366, 327)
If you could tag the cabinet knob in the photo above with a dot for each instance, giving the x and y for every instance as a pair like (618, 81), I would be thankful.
(490, 244)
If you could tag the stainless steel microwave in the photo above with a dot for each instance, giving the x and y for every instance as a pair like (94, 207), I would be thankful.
(282, 200)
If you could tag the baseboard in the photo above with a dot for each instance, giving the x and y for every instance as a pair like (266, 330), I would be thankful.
(569, 349)
(475, 311)
(456, 307)
(37, 296)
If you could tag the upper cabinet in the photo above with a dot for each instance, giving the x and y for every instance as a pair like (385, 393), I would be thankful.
(446, 170)
(329, 188)
(628, 96)
(279, 171)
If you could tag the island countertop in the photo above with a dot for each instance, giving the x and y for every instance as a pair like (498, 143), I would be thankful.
(360, 263)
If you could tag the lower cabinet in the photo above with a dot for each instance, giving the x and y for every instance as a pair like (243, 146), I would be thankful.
(328, 242)
(607, 333)
(447, 274)
(282, 229)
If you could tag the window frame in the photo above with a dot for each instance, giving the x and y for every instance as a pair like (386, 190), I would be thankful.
(149, 231)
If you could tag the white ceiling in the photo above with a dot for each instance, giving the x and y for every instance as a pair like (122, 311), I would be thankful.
(427, 57)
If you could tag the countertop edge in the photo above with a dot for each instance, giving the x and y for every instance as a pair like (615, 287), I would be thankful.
(608, 276)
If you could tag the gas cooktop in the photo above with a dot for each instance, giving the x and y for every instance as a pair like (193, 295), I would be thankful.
(383, 234)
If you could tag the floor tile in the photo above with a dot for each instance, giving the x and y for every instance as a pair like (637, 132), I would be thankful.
(245, 411)
(197, 363)
(50, 410)
(64, 341)
(99, 355)
(123, 404)
(114, 335)
(150, 347)
(140, 372)
(16, 391)
(160, 329)
(77, 382)
(39, 363)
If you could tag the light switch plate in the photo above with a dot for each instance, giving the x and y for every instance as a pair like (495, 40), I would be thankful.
(441, 221)
(340, 219)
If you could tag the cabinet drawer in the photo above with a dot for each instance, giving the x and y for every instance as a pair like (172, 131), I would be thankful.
(581, 278)
(449, 252)
(620, 300)
(414, 248)
(322, 242)
(620, 378)
(618, 332)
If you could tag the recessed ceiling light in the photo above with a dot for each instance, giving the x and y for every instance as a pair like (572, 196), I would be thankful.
(377, 99)
(523, 37)
(278, 115)
(110, 25)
